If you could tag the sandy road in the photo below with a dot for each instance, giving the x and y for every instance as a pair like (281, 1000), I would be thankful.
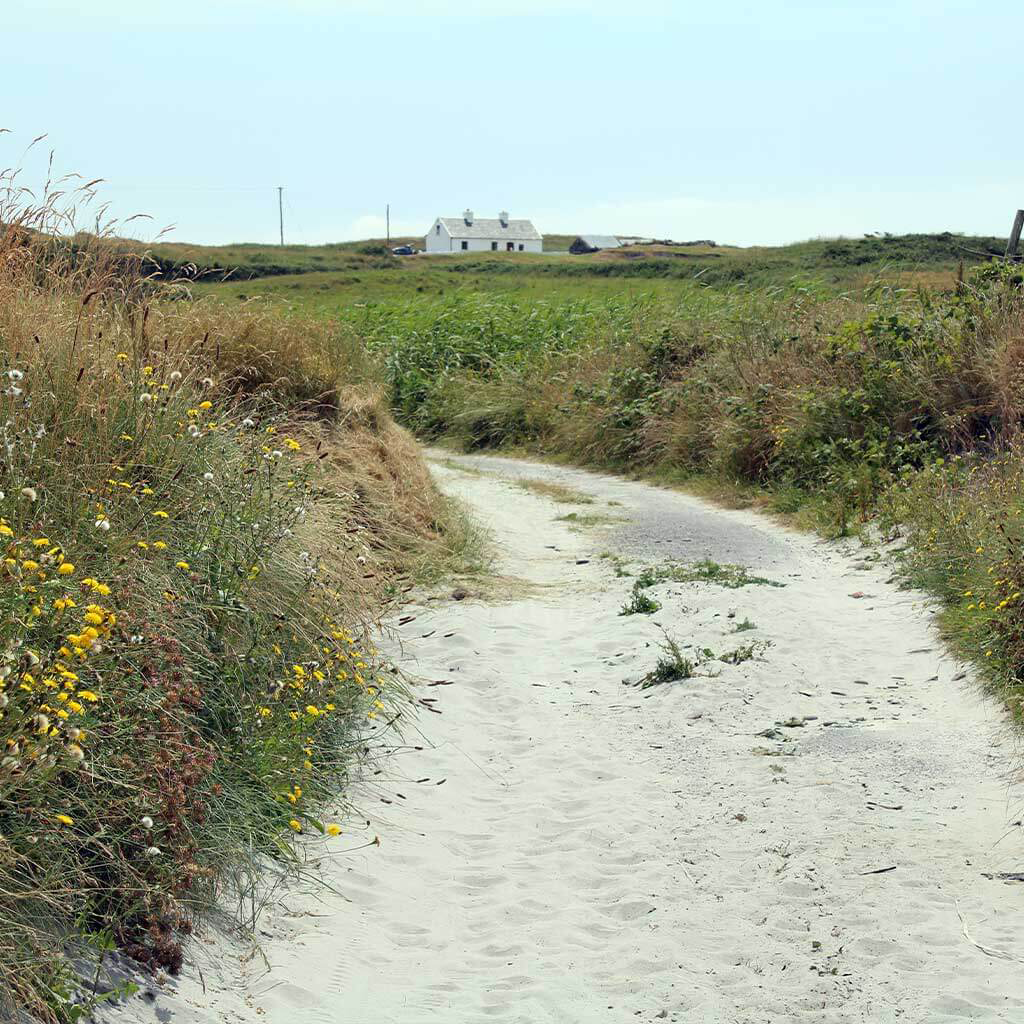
(802, 836)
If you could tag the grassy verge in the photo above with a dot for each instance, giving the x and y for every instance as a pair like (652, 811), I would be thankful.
(201, 513)
(893, 406)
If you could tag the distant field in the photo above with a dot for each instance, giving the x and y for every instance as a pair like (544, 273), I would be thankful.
(333, 277)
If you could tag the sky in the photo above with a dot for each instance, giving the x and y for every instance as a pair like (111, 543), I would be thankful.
(744, 122)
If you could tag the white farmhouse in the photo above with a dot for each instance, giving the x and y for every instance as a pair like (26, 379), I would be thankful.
(474, 234)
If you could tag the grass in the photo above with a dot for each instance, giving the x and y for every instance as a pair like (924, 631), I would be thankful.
(827, 388)
(672, 666)
(733, 577)
(333, 278)
(202, 511)
(639, 603)
(556, 492)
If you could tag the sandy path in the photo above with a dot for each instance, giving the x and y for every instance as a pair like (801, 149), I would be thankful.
(601, 853)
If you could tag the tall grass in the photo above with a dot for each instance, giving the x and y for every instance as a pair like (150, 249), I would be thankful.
(200, 513)
(904, 404)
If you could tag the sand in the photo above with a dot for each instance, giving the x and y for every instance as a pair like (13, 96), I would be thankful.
(802, 836)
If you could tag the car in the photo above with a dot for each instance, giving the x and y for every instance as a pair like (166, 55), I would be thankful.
(403, 250)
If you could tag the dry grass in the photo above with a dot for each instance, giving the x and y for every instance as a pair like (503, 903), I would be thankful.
(201, 515)
(556, 492)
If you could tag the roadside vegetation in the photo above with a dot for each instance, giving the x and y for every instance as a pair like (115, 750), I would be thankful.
(887, 408)
(202, 512)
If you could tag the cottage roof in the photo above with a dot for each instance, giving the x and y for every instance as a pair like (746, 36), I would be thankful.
(486, 227)
(601, 241)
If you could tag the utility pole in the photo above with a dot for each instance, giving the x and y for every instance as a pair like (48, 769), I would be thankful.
(387, 216)
(280, 211)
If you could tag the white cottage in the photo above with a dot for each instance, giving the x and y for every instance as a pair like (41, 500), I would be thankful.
(475, 234)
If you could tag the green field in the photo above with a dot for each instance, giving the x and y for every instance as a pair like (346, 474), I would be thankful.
(331, 278)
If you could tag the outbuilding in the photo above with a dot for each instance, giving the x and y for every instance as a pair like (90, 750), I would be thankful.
(469, 233)
(592, 243)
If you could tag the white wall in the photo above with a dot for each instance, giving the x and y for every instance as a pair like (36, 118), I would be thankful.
(443, 242)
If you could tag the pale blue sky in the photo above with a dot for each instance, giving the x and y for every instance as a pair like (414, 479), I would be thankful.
(744, 122)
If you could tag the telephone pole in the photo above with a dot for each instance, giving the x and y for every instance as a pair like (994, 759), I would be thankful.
(280, 211)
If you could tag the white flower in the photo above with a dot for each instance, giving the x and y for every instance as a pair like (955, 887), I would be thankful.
(30, 493)
(103, 524)
(207, 477)
(248, 422)
(193, 430)
(153, 851)
(207, 382)
(145, 397)
(146, 822)
(2, 495)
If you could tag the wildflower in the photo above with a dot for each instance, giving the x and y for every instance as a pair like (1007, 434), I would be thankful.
(64, 819)
(30, 565)
(103, 524)
(88, 695)
(292, 445)
(184, 566)
(65, 569)
(175, 375)
(193, 430)
(249, 423)
(206, 405)
(147, 370)
(146, 822)
(122, 357)
(153, 851)
(145, 397)
(159, 545)
(30, 493)
(5, 530)
(15, 375)
(161, 514)
(334, 830)
(296, 825)
(207, 477)
(75, 752)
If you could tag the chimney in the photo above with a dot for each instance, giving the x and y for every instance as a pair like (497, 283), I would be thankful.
(468, 217)
(503, 217)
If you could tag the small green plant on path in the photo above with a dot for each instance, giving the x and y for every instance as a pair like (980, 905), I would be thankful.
(671, 667)
(705, 571)
(639, 603)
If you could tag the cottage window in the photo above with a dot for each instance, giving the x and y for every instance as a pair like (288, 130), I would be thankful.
(510, 246)
(465, 245)
(494, 246)
(521, 246)
(438, 230)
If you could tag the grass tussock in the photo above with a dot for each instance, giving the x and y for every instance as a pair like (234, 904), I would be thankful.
(201, 513)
